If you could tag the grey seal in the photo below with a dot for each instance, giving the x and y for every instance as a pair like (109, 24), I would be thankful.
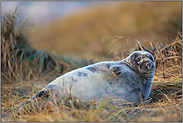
(129, 79)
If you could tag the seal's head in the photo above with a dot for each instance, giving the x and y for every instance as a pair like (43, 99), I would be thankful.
(142, 62)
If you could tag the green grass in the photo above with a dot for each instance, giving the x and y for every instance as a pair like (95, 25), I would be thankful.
(25, 71)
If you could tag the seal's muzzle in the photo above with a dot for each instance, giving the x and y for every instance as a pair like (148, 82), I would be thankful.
(146, 67)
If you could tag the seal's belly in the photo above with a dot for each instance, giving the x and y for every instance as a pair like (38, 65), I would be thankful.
(129, 79)
(82, 84)
(97, 82)
(87, 85)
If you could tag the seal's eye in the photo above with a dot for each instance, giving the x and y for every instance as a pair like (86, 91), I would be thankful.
(138, 59)
(152, 59)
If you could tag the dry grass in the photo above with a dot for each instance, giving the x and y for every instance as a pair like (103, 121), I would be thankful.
(165, 98)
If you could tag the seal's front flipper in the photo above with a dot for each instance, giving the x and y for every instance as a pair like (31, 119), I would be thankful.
(117, 70)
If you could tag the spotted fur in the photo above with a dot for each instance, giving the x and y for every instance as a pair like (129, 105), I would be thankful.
(129, 79)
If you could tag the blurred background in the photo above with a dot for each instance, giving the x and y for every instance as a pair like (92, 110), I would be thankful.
(91, 29)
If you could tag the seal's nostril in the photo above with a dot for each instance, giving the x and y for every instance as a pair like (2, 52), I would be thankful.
(149, 65)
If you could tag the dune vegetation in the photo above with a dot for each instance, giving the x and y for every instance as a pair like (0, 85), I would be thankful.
(25, 70)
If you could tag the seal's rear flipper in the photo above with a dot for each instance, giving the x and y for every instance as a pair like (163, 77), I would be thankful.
(43, 94)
